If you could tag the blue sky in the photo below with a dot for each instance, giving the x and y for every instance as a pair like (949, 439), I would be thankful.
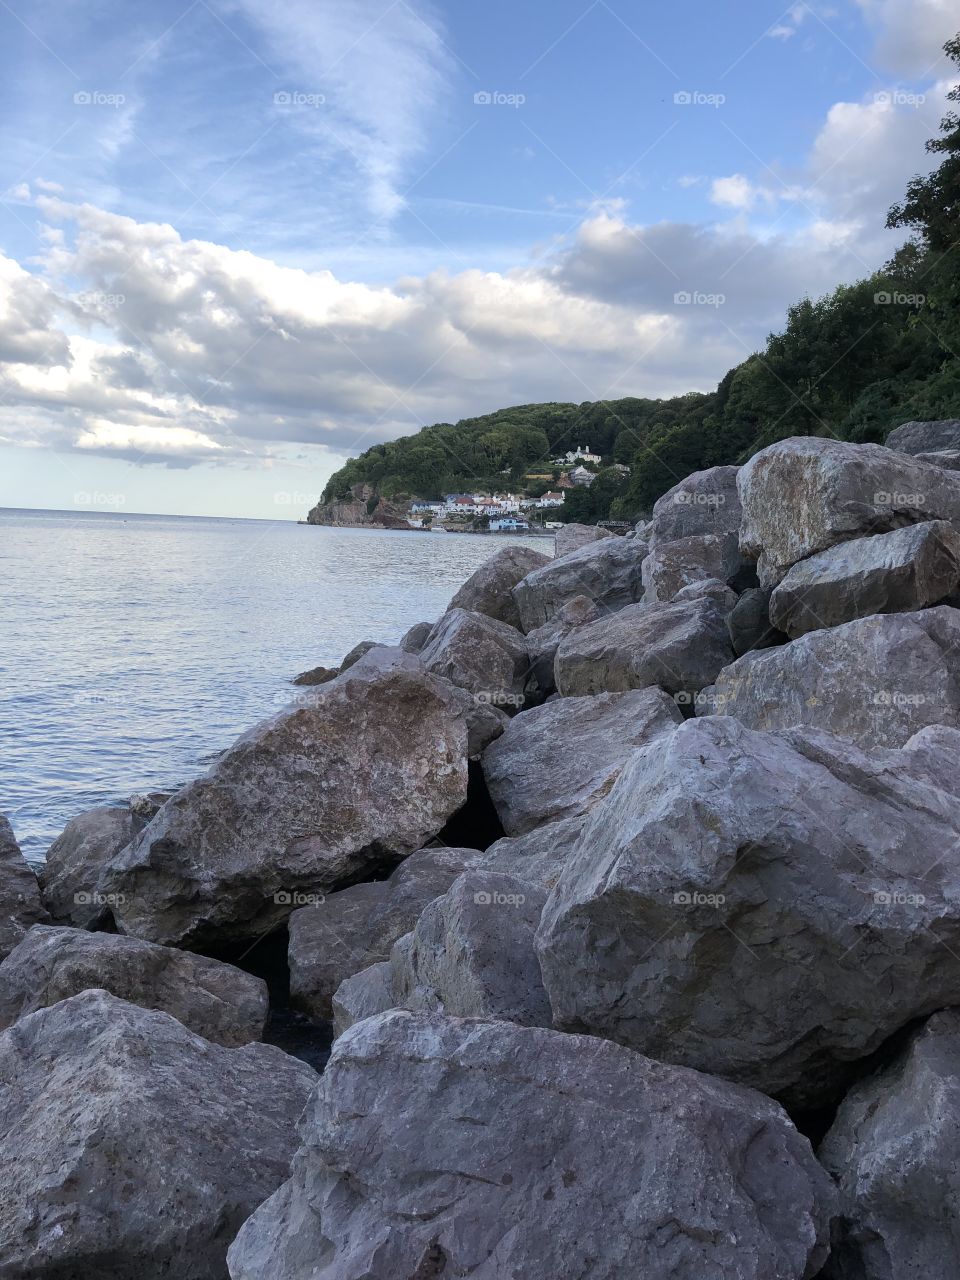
(240, 241)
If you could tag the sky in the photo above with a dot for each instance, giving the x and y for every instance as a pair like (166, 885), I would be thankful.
(241, 241)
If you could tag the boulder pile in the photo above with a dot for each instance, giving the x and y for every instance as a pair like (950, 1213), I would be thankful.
(630, 887)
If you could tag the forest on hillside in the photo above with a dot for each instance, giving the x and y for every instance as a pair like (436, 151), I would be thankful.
(854, 365)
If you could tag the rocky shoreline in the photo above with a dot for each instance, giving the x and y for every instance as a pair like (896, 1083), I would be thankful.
(629, 893)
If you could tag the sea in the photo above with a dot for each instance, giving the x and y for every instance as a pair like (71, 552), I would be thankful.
(135, 648)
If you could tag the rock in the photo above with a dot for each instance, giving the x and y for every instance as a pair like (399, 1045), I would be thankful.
(485, 723)
(893, 1149)
(680, 647)
(477, 653)
(133, 1149)
(558, 760)
(356, 653)
(949, 459)
(539, 856)
(489, 589)
(803, 495)
(20, 905)
(890, 573)
(418, 635)
(441, 1147)
(749, 623)
(543, 642)
(71, 872)
(145, 807)
(366, 994)
(314, 799)
(706, 502)
(710, 589)
(316, 675)
(471, 953)
(356, 927)
(215, 1000)
(607, 572)
(571, 537)
(925, 437)
(766, 907)
(671, 566)
(876, 681)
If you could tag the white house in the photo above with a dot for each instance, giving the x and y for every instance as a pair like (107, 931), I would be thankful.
(579, 455)
(549, 500)
(508, 524)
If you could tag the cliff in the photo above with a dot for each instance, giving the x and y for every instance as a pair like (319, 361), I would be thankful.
(363, 509)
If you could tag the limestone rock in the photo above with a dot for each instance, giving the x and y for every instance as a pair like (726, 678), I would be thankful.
(441, 1147)
(131, 1148)
(803, 495)
(766, 907)
(314, 799)
(571, 537)
(706, 502)
(20, 905)
(890, 573)
(489, 589)
(608, 572)
(357, 652)
(710, 589)
(679, 646)
(364, 995)
(749, 623)
(671, 566)
(215, 1000)
(538, 856)
(316, 675)
(543, 642)
(558, 760)
(356, 927)
(925, 437)
(477, 653)
(418, 635)
(876, 681)
(74, 861)
(894, 1149)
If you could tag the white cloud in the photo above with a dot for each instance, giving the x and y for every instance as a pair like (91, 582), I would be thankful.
(911, 33)
(790, 24)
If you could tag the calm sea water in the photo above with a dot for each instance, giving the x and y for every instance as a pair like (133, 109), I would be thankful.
(134, 648)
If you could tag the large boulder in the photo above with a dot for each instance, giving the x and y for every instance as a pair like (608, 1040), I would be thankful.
(538, 856)
(894, 1149)
(131, 1148)
(438, 1147)
(876, 681)
(558, 760)
(608, 572)
(481, 655)
(890, 573)
(543, 642)
(571, 537)
(926, 437)
(749, 623)
(806, 494)
(766, 907)
(214, 999)
(706, 502)
(349, 930)
(367, 770)
(489, 589)
(471, 953)
(71, 872)
(680, 646)
(671, 566)
(20, 905)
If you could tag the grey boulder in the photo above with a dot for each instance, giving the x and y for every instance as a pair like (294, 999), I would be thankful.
(749, 623)
(543, 642)
(216, 1000)
(485, 657)
(133, 1149)
(896, 572)
(439, 1147)
(608, 572)
(413, 640)
(894, 1150)
(314, 799)
(364, 995)
(706, 502)
(571, 537)
(20, 905)
(766, 907)
(803, 495)
(558, 760)
(671, 566)
(679, 646)
(876, 681)
(538, 856)
(355, 928)
(925, 437)
(71, 872)
(489, 589)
